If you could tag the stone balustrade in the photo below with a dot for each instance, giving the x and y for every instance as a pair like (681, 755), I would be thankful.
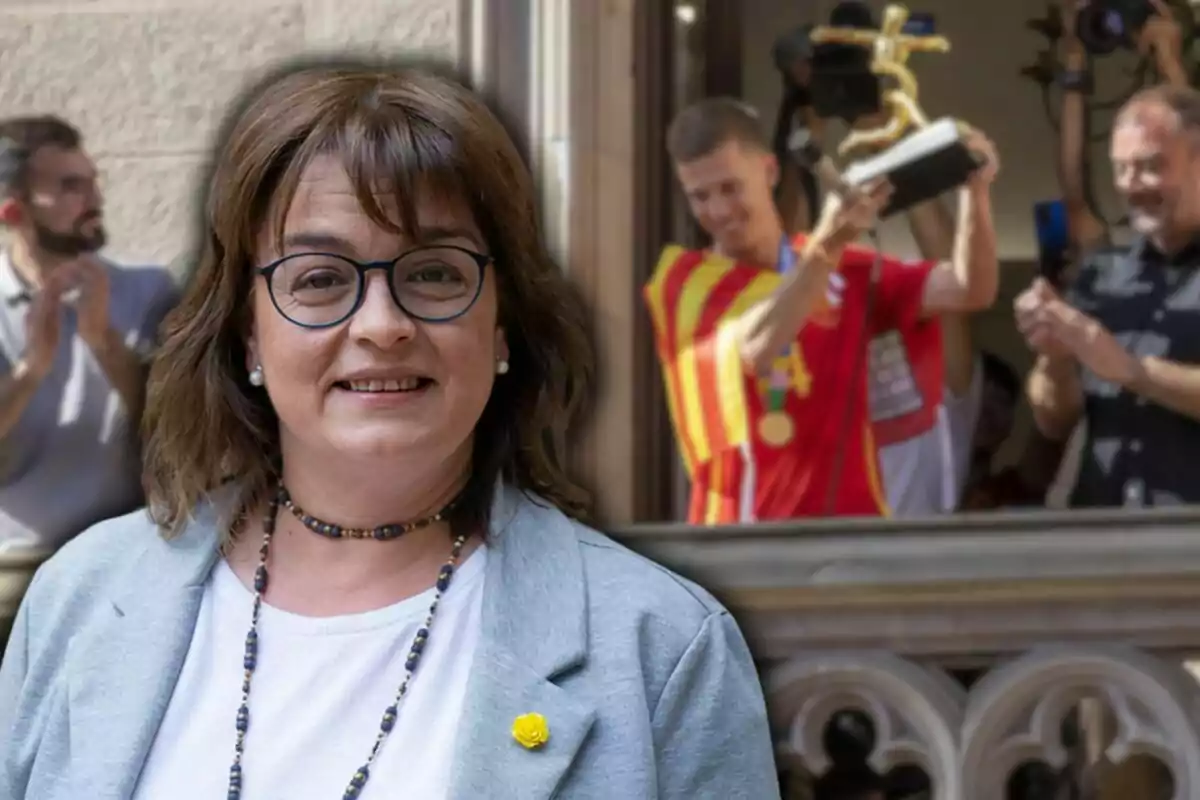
(1049, 612)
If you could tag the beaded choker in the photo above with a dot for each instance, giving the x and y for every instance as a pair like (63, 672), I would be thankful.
(381, 532)
(250, 658)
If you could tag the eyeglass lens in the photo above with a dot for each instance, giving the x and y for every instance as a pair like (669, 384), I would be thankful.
(433, 283)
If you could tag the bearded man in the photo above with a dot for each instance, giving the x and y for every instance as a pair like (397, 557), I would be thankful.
(75, 332)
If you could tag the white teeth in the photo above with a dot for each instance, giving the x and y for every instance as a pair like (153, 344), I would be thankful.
(406, 385)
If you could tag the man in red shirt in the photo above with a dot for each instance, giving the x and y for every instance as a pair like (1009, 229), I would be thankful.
(763, 339)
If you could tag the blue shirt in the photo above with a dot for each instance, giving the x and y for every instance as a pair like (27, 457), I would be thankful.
(72, 459)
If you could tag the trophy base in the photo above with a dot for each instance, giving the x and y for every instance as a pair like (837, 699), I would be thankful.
(920, 166)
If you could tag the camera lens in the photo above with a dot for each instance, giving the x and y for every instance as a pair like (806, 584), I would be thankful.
(1112, 23)
(1101, 28)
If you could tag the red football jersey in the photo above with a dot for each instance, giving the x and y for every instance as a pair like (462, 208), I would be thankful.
(830, 466)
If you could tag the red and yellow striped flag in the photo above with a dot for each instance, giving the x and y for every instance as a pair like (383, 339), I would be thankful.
(694, 297)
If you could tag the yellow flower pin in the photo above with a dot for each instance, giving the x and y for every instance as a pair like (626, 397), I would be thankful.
(530, 730)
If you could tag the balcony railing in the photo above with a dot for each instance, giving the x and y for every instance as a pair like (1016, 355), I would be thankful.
(875, 616)
(1059, 610)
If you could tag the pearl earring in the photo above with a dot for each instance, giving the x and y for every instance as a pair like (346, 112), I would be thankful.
(501, 367)
(257, 378)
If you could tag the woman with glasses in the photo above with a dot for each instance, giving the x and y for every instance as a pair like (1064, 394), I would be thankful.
(360, 575)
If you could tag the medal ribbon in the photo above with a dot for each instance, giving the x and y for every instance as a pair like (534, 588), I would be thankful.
(779, 381)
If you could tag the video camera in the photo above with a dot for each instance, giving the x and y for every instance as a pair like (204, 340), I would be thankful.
(1104, 26)
(840, 83)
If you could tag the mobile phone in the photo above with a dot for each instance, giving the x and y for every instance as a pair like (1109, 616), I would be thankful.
(1050, 222)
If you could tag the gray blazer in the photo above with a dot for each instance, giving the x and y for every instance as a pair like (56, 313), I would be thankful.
(645, 682)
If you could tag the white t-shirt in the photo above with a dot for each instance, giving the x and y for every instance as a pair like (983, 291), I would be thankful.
(317, 697)
(925, 475)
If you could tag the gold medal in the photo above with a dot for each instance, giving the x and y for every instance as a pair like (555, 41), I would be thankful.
(775, 428)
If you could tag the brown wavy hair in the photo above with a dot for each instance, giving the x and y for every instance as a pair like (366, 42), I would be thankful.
(417, 131)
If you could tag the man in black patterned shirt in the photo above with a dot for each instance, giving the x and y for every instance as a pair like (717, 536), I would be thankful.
(1121, 351)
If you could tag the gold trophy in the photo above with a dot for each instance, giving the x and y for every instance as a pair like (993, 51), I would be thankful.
(923, 158)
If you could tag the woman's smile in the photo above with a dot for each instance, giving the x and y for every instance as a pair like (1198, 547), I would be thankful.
(386, 391)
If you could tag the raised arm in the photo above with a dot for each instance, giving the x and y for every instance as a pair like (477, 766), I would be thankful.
(1085, 229)
(772, 324)
(970, 280)
(932, 228)
(1162, 38)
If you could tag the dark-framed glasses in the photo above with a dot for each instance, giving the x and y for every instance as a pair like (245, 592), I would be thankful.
(432, 284)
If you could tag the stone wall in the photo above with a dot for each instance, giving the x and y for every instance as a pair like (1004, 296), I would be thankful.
(148, 80)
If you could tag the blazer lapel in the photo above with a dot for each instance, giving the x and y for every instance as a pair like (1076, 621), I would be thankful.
(490, 762)
(121, 672)
(534, 629)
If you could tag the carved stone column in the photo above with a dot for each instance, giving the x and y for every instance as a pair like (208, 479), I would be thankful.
(1015, 714)
(917, 711)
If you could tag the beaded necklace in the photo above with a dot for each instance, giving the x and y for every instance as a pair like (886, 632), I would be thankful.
(250, 658)
(380, 533)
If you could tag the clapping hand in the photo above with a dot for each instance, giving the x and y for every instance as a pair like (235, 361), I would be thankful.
(88, 276)
(1053, 328)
